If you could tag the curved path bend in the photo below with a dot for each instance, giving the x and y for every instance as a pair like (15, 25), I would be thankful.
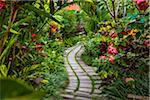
(84, 83)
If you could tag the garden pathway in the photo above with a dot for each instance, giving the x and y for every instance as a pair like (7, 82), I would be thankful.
(83, 81)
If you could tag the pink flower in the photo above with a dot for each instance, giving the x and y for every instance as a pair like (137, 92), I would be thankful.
(102, 57)
(129, 79)
(111, 59)
(2, 4)
(112, 50)
(142, 4)
(34, 35)
(140, 1)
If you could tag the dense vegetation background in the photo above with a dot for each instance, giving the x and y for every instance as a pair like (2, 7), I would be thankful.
(35, 34)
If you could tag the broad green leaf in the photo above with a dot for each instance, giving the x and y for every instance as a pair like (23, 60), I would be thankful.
(16, 90)
(40, 12)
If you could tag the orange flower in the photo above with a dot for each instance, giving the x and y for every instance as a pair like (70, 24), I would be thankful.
(54, 27)
(133, 32)
(53, 30)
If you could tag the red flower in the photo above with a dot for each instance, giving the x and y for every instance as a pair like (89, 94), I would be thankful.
(2, 4)
(112, 50)
(111, 59)
(34, 35)
(142, 4)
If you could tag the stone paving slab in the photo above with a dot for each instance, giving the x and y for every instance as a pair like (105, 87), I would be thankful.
(82, 98)
(67, 96)
(85, 89)
(83, 94)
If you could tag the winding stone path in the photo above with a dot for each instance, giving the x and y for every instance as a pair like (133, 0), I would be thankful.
(84, 83)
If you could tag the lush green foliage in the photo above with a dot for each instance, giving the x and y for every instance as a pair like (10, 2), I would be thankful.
(27, 52)
(34, 35)
(120, 52)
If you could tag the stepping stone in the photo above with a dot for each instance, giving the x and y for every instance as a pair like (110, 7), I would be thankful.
(85, 90)
(71, 74)
(69, 70)
(85, 86)
(74, 62)
(75, 68)
(83, 94)
(71, 88)
(79, 71)
(67, 96)
(69, 91)
(72, 78)
(73, 81)
(85, 81)
(91, 74)
(72, 84)
(82, 98)
(89, 71)
(83, 77)
(81, 74)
